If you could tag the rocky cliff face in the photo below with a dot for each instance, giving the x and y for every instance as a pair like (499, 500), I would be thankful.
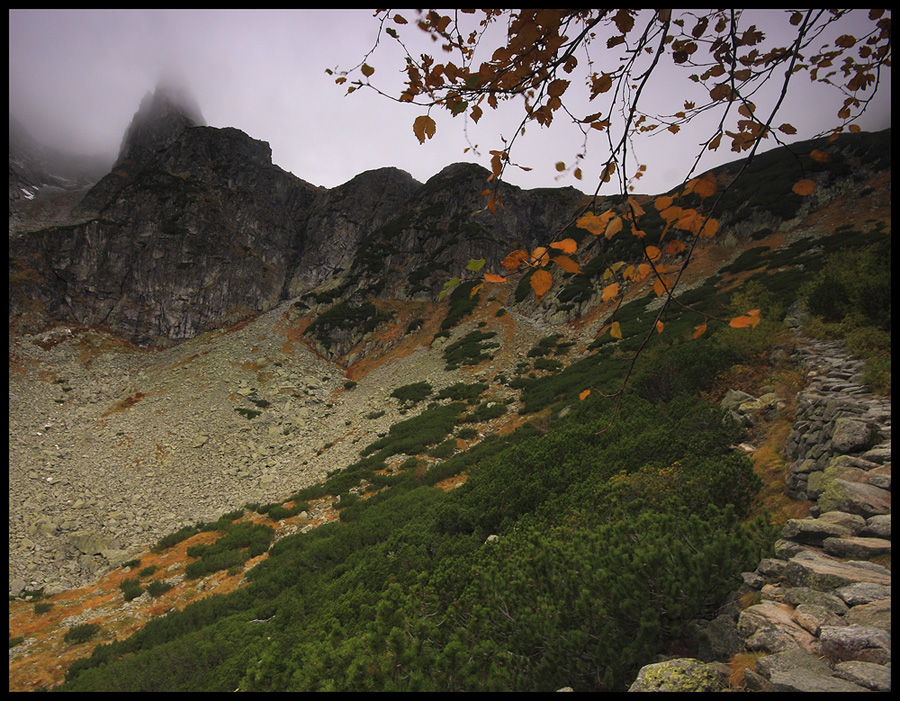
(195, 228)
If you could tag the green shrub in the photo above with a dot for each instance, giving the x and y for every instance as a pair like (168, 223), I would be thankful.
(444, 450)
(471, 349)
(547, 364)
(131, 588)
(42, 607)
(412, 393)
(158, 588)
(414, 435)
(462, 391)
(174, 538)
(81, 633)
(462, 303)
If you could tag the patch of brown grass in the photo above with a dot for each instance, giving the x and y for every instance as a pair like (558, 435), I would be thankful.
(739, 664)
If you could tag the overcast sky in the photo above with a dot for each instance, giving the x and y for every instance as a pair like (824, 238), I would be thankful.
(76, 78)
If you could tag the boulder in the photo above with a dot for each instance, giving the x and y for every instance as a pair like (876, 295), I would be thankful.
(771, 627)
(855, 642)
(683, 674)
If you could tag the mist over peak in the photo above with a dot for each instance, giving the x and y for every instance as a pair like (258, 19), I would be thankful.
(161, 118)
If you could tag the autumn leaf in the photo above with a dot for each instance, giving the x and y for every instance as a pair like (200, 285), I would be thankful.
(674, 247)
(710, 228)
(515, 259)
(541, 282)
(615, 226)
(819, 156)
(643, 270)
(539, 257)
(584, 395)
(609, 292)
(653, 253)
(449, 285)
(704, 186)
(804, 187)
(491, 277)
(659, 327)
(748, 320)
(636, 208)
(615, 330)
(659, 287)
(672, 213)
(566, 245)
(594, 223)
(662, 202)
(424, 128)
(476, 265)
(567, 264)
(699, 330)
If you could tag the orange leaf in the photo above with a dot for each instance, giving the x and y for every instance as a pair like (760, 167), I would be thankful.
(539, 257)
(672, 213)
(424, 128)
(609, 292)
(566, 245)
(659, 327)
(615, 226)
(514, 259)
(595, 224)
(804, 187)
(709, 229)
(699, 330)
(635, 207)
(541, 282)
(643, 270)
(674, 247)
(615, 330)
(819, 156)
(750, 319)
(689, 220)
(491, 277)
(584, 395)
(653, 253)
(663, 202)
(475, 290)
(567, 264)
(659, 287)
(705, 186)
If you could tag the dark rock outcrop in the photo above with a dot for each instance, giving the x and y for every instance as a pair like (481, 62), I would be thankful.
(195, 228)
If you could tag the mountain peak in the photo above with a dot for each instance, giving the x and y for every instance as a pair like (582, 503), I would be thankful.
(161, 118)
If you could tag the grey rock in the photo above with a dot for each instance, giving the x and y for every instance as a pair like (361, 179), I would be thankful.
(805, 681)
(855, 642)
(864, 593)
(875, 677)
(875, 614)
(851, 435)
(825, 573)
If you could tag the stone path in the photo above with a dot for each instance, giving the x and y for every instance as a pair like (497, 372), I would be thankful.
(823, 617)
